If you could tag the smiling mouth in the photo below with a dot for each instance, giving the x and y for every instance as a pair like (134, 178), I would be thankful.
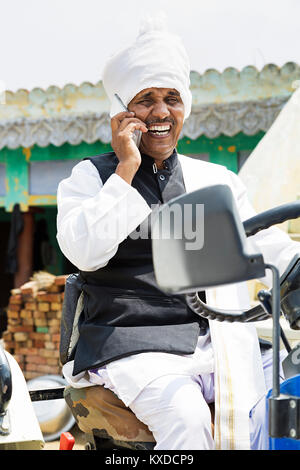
(159, 130)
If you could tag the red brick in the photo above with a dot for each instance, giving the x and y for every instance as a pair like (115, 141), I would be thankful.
(55, 306)
(14, 307)
(40, 294)
(61, 280)
(43, 306)
(28, 351)
(48, 297)
(27, 321)
(26, 313)
(54, 329)
(55, 337)
(51, 314)
(50, 353)
(35, 359)
(15, 299)
(39, 314)
(29, 288)
(40, 322)
(54, 322)
(12, 314)
(30, 305)
(9, 326)
(28, 298)
(40, 336)
(18, 328)
(30, 366)
(54, 288)
(20, 336)
(52, 361)
(46, 369)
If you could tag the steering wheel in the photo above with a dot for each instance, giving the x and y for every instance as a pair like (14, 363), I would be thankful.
(252, 226)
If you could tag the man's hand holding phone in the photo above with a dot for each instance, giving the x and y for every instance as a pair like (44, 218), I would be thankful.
(123, 126)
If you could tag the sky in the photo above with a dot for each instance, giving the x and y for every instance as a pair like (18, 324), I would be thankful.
(55, 42)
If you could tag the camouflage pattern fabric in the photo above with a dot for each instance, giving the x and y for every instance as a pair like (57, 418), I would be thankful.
(98, 410)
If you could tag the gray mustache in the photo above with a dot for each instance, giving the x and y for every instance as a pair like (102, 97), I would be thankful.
(160, 121)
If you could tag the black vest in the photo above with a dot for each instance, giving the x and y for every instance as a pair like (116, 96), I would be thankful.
(125, 312)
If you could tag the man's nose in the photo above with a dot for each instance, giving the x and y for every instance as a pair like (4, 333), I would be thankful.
(160, 110)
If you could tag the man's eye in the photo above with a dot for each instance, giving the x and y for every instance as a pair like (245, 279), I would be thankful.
(145, 102)
(172, 101)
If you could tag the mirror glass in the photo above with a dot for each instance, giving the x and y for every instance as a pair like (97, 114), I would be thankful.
(198, 241)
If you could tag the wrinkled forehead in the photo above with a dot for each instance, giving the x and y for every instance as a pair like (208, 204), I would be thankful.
(156, 93)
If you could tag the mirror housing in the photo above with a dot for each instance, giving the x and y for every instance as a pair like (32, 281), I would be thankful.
(198, 242)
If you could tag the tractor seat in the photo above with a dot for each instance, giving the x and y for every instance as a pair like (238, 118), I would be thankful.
(109, 424)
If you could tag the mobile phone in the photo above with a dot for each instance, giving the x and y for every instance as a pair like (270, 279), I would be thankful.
(137, 135)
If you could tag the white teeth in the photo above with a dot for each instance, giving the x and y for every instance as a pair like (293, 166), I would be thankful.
(160, 133)
(159, 128)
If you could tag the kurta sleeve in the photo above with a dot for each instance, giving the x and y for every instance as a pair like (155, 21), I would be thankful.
(275, 245)
(94, 218)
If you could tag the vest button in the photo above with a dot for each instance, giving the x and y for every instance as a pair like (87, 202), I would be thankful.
(162, 177)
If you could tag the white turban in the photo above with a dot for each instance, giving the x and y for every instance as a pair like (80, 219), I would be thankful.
(157, 59)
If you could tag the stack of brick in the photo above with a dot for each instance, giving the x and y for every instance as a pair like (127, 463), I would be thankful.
(33, 326)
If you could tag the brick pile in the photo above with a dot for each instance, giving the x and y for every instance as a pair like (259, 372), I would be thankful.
(33, 325)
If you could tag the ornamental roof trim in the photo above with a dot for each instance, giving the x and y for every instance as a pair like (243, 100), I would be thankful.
(229, 102)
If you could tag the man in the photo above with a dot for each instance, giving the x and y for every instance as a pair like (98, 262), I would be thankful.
(162, 360)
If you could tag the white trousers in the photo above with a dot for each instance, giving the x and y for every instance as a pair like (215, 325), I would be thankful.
(175, 408)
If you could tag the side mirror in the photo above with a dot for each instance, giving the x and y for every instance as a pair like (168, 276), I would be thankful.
(198, 242)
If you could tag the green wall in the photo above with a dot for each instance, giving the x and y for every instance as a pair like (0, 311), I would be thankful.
(223, 150)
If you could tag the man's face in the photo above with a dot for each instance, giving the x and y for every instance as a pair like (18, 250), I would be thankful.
(162, 110)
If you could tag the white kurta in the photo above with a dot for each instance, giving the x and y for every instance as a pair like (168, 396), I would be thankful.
(233, 354)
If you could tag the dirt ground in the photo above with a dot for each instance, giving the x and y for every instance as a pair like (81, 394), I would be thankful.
(78, 436)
